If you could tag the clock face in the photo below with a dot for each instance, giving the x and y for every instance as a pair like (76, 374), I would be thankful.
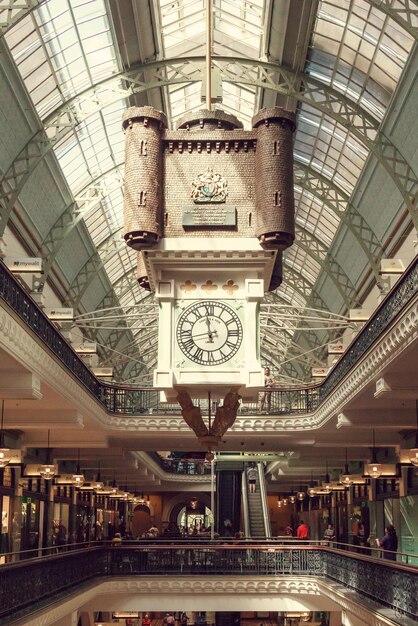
(209, 332)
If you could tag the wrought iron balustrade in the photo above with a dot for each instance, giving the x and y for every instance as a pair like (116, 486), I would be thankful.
(28, 585)
(397, 299)
(124, 400)
(187, 467)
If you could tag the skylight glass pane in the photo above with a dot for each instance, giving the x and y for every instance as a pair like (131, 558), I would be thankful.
(329, 148)
(315, 217)
(65, 45)
(237, 30)
(361, 50)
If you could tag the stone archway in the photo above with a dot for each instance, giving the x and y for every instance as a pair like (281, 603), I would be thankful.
(141, 520)
(173, 505)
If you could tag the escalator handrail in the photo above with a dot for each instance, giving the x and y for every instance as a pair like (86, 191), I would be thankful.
(263, 495)
(245, 507)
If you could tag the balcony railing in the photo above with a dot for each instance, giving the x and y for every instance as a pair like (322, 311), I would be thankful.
(185, 467)
(29, 585)
(125, 400)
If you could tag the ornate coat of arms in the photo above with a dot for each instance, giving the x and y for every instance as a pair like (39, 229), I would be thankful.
(209, 187)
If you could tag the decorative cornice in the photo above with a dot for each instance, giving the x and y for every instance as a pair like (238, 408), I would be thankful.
(30, 352)
(306, 587)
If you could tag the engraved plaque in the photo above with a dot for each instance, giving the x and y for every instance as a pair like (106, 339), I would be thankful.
(209, 216)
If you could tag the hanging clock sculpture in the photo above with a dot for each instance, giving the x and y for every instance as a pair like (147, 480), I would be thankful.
(209, 207)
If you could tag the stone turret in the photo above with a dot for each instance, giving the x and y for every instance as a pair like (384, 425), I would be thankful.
(143, 128)
(274, 201)
(277, 273)
(209, 178)
(205, 120)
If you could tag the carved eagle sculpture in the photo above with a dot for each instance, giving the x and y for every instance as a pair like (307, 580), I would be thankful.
(225, 414)
(224, 417)
(191, 414)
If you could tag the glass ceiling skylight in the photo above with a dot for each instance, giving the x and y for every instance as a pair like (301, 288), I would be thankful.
(64, 47)
(237, 31)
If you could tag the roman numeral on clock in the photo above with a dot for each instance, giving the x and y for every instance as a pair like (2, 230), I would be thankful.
(209, 332)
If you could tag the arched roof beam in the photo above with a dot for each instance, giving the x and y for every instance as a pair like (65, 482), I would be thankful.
(13, 11)
(327, 192)
(404, 13)
(86, 200)
(300, 86)
(314, 247)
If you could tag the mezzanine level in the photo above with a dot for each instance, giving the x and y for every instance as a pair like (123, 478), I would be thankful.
(386, 589)
(118, 401)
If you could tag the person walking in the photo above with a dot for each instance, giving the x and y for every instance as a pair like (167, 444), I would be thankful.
(389, 543)
(269, 383)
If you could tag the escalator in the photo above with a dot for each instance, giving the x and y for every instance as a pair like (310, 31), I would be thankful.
(255, 506)
(228, 498)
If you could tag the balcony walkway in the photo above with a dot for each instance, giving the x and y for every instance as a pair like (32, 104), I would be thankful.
(31, 584)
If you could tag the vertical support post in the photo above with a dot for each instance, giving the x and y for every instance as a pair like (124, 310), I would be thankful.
(209, 55)
(72, 530)
(212, 497)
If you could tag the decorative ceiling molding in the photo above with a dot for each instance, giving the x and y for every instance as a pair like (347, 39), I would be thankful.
(128, 593)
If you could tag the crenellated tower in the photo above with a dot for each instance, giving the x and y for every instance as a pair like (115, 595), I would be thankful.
(209, 208)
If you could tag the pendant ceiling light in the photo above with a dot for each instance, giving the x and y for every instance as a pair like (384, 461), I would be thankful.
(292, 497)
(374, 469)
(98, 484)
(5, 453)
(346, 478)
(311, 489)
(413, 453)
(326, 485)
(77, 479)
(301, 494)
(48, 470)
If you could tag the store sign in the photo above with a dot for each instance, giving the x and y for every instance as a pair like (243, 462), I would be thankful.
(60, 314)
(86, 348)
(319, 372)
(24, 265)
(359, 315)
(335, 348)
(103, 372)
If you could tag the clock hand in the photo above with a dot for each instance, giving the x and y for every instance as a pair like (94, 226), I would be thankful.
(213, 332)
(208, 325)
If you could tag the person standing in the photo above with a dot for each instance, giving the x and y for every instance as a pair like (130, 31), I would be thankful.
(329, 532)
(252, 478)
(389, 543)
(269, 383)
(288, 531)
(153, 532)
(302, 531)
(184, 619)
